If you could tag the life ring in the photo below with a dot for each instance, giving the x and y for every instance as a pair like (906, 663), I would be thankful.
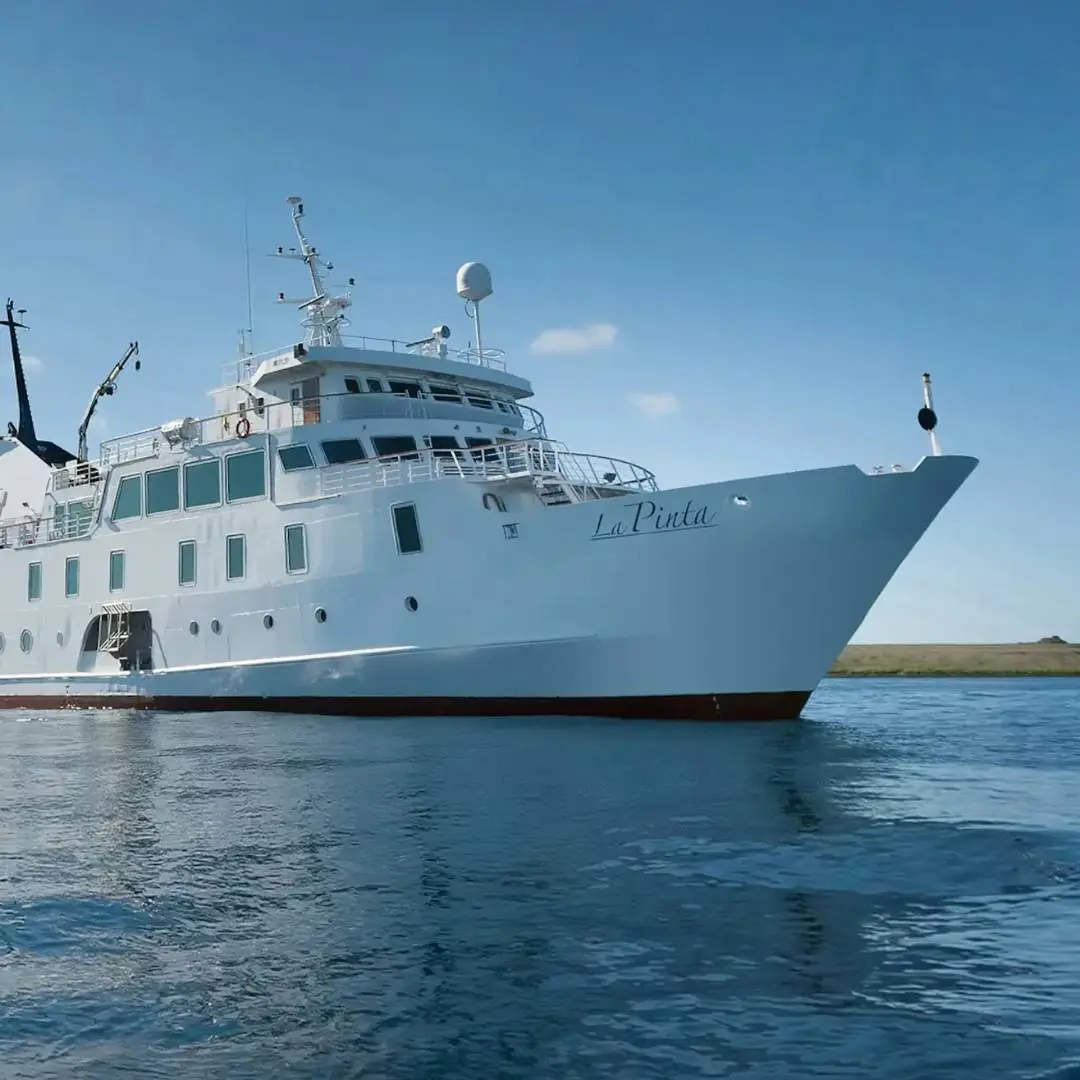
(243, 427)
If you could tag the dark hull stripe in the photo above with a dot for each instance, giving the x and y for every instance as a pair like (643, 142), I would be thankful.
(783, 705)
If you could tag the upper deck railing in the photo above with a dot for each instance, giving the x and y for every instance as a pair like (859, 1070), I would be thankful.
(149, 443)
(235, 371)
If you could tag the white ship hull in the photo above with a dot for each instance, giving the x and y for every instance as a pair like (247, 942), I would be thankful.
(719, 601)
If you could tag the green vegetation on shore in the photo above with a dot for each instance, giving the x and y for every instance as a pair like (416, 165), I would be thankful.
(1051, 656)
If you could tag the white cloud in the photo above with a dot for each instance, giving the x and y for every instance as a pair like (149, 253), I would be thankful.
(656, 404)
(33, 363)
(580, 339)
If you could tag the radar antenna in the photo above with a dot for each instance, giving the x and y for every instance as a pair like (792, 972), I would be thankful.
(474, 285)
(106, 389)
(324, 315)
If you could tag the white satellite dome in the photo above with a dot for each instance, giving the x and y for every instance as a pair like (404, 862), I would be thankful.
(474, 281)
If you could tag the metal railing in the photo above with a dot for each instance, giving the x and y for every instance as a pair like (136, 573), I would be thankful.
(150, 442)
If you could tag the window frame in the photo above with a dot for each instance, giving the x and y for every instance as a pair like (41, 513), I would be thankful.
(213, 460)
(289, 569)
(30, 597)
(245, 498)
(306, 447)
(146, 491)
(123, 570)
(69, 562)
(416, 521)
(136, 480)
(180, 563)
(229, 575)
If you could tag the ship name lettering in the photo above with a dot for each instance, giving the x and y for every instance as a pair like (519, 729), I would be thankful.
(649, 516)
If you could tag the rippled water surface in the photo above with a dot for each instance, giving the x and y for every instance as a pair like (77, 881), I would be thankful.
(890, 888)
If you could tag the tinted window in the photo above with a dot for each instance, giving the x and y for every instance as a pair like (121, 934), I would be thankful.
(374, 386)
(444, 393)
(406, 529)
(128, 502)
(234, 557)
(71, 577)
(403, 386)
(386, 445)
(295, 549)
(202, 484)
(187, 562)
(443, 443)
(245, 476)
(339, 451)
(352, 386)
(297, 456)
(116, 570)
(162, 491)
(33, 582)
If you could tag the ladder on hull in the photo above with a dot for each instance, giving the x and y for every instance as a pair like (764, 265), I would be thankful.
(115, 627)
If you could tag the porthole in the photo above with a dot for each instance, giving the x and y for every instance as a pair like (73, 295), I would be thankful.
(320, 614)
(193, 628)
(215, 626)
(60, 638)
(410, 603)
(26, 641)
(2, 643)
(268, 622)
(740, 500)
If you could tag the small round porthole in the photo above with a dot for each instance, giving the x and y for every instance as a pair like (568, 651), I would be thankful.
(60, 638)
(410, 603)
(268, 622)
(26, 641)
(320, 614)
(193, 628)
(740, 500)
(215, 626)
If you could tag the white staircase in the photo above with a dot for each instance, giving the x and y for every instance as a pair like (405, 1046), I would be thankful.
(115, 627)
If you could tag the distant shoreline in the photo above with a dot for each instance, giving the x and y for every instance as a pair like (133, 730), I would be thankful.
(957, 661)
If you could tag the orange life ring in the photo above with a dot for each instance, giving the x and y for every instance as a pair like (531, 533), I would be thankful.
(243, 427)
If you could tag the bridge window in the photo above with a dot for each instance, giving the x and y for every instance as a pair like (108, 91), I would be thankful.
(235, 557)
(162, 490)
(202, 484)
(187, 562)
(116, 571)
(406, 529)
(71, 577)
(245, 476)
(374, 386)
(444, 393)
(295, 549)
(297, 456)
(480, 399)
(128, 502)
(404, 386)
(442, 445)
(33, 581)
(341, 451)
(352, 386)
(392, 445)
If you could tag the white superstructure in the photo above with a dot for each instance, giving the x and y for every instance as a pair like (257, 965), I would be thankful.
(386, 528)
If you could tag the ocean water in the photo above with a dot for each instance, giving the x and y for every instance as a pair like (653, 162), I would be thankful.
(888, 888)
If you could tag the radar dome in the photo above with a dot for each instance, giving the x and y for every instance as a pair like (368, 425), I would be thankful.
(474, 282)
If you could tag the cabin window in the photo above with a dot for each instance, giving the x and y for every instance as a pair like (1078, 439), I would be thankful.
(235, 557)
(245, 475)
(187, 562)
(297, 456)
(444, 393)
(480, 399)
(406, 528)
(340, 451)
(260, 406)
(71, 577)
(162, 490)
(352, 386)
(374, 386)
(72, 520)
(128, 502)
(202, 484)
(116, 571)
(473, 443)
(442, 445)
(392, 445)
(404, 386)
(33, 582)
(295, 549)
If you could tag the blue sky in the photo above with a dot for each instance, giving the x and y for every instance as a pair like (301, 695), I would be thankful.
(772, 215)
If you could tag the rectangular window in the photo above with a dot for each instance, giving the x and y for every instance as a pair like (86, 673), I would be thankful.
(33, 582)
(352, 386)
(128, 501)
(374, 386)
(202, 484)
(162, 490)
(406, 529)
(404, 386)
(116, 571)
(444, 393)
(71, 577)
(443, 445)
(394, 445)
(245, 475)
(297, 456)
(234, 557)
(339, 451)
(295, 549)
(187, 562)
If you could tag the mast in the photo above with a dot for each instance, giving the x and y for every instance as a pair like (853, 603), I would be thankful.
(25, 432)
(324, 315)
